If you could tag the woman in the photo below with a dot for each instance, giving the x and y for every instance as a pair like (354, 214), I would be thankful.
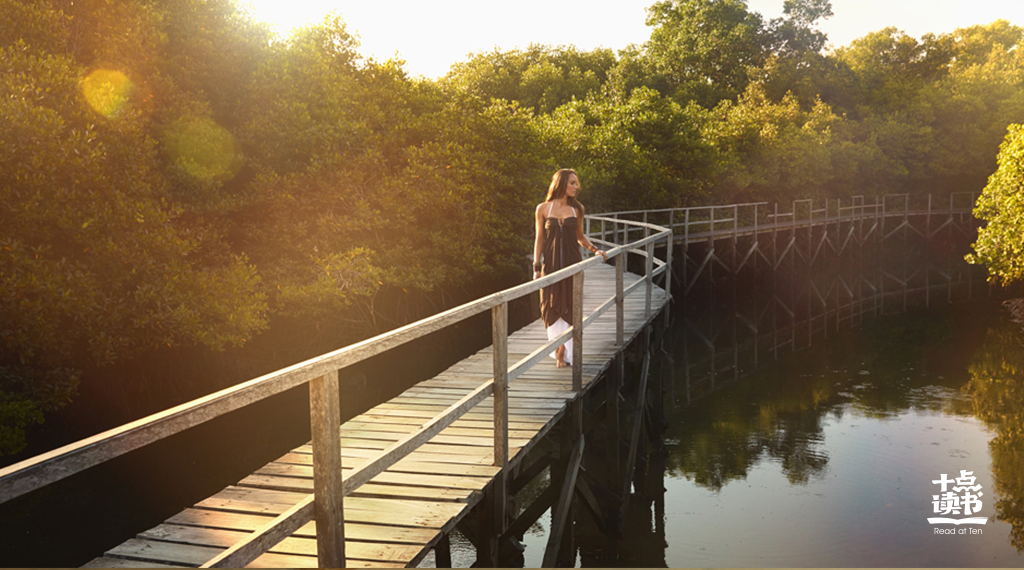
(559, 229)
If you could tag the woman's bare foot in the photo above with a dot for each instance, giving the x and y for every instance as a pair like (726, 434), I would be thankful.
(560, 357)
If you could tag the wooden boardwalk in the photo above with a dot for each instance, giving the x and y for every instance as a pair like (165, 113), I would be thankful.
(399, 515)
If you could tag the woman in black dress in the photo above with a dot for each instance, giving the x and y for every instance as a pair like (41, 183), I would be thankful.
(559, 230)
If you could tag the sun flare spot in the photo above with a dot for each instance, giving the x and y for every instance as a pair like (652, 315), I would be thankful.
(107, 91)
(202, 150)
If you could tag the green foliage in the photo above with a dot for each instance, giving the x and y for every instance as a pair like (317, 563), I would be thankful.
(539, 77)
(892, 66)
(701, 50)
(1000, 246)
(96, 263)
(171, 173)
(647, 144)
(769, 151)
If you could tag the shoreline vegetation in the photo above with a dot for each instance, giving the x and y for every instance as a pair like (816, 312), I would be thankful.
(175, 177)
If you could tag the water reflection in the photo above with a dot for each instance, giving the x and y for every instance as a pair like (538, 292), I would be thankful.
(829, 434)
(996, 388)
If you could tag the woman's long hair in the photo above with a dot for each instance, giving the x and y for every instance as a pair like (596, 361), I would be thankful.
(559, 183)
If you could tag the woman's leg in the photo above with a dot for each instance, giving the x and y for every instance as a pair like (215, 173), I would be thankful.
(560, 357)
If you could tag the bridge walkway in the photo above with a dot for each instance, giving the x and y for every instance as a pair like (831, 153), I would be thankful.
(399, 515)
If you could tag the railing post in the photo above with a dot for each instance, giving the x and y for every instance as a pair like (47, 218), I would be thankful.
(686, 250)
(499, 488)
(577, 332)
(328, 506)
(620, 270)
(499, 335)
(668, 272)
(648, 273)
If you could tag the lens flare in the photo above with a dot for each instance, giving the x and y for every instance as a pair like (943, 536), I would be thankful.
(107, 91)
(202, 150)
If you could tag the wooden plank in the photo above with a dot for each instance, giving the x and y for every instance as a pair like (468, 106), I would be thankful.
(411, 479)
(427, 453)
(400, 428)
(426, 514)
(304, 546)
(354, 531)
(405, 466)
(262, 539)
(365, 490)
(110, 562)
(449, 440)
(189, 555)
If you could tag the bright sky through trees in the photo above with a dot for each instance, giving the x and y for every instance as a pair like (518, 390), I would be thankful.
(432, 35)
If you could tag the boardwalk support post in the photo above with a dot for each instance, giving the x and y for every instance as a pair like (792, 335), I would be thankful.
(328, 510)
(613, 382)
(499, 490)
(577, 332)
(443, 552)
(561, 515)
(620, 307)
(648, 273)
(499, 324)
(634, 441)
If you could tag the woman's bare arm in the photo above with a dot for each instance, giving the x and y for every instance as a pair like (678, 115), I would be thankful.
(538, 242)
(585, 242)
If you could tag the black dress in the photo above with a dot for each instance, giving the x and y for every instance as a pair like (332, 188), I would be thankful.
(560, 251)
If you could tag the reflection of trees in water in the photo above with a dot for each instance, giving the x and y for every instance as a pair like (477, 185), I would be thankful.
(997, 388)
(778, 421)
(778, 414)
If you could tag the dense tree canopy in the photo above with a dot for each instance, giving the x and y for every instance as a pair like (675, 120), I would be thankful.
(1000, 244)
(173, 174)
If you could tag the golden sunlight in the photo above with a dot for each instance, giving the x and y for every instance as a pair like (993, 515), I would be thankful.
(286, 15)
(107, 91)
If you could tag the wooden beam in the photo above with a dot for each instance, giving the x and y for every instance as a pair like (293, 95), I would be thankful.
(443, 552)
(499, 336)
(648, 275)
(562, 508)
(634, 440)
(328, 495)
(531, 514)
(586, 494)
(577, 332)
(529, 474)
(620, 269)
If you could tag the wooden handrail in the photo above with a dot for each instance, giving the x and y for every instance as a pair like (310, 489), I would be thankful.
(46, 468)
(262, 540)
(33, 473)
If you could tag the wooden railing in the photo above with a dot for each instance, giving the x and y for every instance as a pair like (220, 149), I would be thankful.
(753, 217)
(325, 505)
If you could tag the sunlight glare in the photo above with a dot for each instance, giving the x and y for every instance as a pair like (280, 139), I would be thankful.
(107, 91)
(202, 150)
(283, 16)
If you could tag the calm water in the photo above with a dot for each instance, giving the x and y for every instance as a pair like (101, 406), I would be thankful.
(826, 456)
